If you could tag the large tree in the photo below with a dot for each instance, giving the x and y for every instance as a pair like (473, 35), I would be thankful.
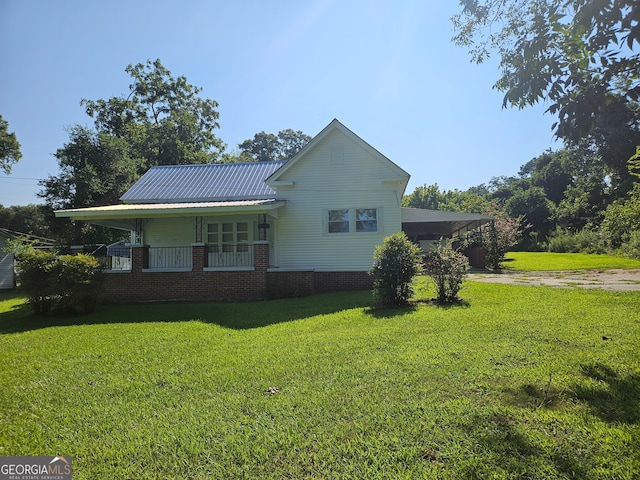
(267, 146)
(578, 56)
(161, 121)
(94, 170)
(163, 118)
(9, 147)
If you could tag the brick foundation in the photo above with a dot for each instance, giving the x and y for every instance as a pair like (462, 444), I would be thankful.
(142, 285)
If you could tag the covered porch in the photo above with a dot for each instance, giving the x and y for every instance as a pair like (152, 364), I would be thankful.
(226, 232)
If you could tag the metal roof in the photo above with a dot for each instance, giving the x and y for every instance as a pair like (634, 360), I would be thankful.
(159, 209)
(204, 183)
(123, 216)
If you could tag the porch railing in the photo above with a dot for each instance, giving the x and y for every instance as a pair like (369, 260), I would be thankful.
(226, 256)
(116, 259)
(170, 257)
(230, 256)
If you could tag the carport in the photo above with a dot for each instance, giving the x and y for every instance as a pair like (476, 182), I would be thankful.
(426, 227)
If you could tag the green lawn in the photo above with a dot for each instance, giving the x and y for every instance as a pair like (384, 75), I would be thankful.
(517, 382)
(540, 261)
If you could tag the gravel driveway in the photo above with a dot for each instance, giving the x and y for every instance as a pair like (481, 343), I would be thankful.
(621, 280)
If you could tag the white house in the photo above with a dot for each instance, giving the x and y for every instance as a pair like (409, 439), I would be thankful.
(238, 231)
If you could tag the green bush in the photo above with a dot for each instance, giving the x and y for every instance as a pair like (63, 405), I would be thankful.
(35, 277)
(622, 218)
(396, 262)
(631, 248)
(583, 241)
(52, 283)
(447, 268)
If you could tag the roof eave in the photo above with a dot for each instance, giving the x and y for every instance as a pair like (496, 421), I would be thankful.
(147, 211)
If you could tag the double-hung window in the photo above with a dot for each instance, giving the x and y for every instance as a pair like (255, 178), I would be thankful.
(352, 220)
(338, 221)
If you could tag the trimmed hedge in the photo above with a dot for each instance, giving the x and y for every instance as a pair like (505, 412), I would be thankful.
(58, 283)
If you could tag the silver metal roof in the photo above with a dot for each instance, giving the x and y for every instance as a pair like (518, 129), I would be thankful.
(203, 183)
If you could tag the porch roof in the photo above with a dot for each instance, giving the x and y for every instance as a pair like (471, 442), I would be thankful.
(418, 221)
(120, 216)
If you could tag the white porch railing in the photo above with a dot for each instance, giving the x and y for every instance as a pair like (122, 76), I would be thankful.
(170, 257)
(230, 256)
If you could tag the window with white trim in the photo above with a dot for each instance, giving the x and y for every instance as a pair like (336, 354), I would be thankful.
(338, 221)
(352, 220)
(228, 237)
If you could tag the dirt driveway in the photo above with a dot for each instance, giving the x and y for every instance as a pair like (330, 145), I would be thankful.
(621, 280)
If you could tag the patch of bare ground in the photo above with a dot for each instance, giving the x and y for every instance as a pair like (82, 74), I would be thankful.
(617, 279)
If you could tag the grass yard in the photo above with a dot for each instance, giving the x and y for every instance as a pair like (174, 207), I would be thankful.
(517, 382)
(541, 261)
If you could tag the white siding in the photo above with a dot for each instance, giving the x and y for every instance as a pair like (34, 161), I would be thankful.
(169, 232)
(336, 174)
(181, 232)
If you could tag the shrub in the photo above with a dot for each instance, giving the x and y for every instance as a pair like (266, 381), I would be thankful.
(396, 262)
(79, 278)
(496, 237)
(631, 248)
(53, 283)
(447, 268)
(583, 241)
(35, 277)
(622, 218)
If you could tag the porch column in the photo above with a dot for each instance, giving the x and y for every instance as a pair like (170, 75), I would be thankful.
(139, 258)
(261, 265)
(199, 256)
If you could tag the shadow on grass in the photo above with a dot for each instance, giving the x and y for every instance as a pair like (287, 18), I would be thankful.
(535, 396)
(238, 316)
(499, 437)
(611, 397)
(392, 311)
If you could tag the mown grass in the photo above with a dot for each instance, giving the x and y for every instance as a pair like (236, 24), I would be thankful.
(516, 382)
(541, 261)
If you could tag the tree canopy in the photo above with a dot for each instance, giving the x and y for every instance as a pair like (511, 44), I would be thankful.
(578, 56)
(267, 146)
(161, 121)
(9, 147)
(163, 118)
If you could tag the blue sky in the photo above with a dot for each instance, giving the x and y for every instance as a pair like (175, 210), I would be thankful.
(387, 70)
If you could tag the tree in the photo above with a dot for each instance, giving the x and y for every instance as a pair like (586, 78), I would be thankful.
(95, 169)
(264, 147)
(9, 147)
(426, 196)
(533, 208)
(579, 56)
(29, 219)
(432, 198)
(550, 172)
(163, 119)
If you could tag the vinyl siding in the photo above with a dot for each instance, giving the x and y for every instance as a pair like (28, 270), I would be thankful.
(181, 232)
(335, 174)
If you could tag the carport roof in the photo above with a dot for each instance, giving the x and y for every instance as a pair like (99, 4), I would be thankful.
(419, 220)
